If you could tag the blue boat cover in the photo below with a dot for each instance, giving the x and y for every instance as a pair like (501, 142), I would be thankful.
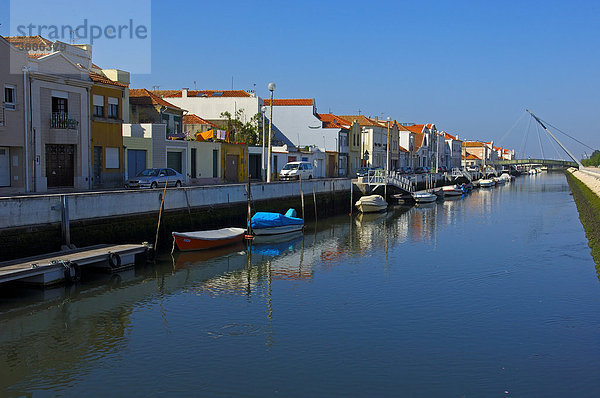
(269, 220)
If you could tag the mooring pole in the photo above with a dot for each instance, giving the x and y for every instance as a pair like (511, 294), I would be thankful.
(351, 199)
(315, 201)
(162, 205)
(301, 195)
(65, 227)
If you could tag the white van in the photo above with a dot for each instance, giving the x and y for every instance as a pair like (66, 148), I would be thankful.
(293, 171)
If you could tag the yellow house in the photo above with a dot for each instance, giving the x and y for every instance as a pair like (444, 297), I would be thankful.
(107, 154)
(234, 161)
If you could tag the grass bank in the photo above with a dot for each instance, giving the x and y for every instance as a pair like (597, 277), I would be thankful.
(588, 205)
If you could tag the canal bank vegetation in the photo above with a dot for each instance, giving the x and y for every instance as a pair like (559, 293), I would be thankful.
(588, 205)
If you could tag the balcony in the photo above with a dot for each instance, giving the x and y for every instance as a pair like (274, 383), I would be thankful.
(61, 121)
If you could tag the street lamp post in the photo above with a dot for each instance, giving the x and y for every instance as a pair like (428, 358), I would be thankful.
(271, 87)
(387, 158)
(263, 110)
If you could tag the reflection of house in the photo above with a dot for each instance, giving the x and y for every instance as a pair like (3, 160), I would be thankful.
(106, 108)
(146, 107)
(13, 175)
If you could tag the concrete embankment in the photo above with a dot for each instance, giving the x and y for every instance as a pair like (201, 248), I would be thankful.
(31, 225)
(585, 186)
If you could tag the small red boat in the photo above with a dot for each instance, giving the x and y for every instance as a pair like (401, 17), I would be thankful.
(200, 240)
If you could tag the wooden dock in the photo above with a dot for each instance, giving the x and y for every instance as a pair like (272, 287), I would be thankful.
(66, 265)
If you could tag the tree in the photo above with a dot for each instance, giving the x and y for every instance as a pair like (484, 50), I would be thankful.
(250, 133)
(594, 160)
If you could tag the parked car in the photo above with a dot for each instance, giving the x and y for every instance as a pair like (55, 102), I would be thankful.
(409, 170)
(473, 168)
(293, 171)
(154, 178)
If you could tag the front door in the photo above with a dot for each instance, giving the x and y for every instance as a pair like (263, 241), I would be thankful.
(97, 165)
(231, 168)
(60, 165)
(4, 167)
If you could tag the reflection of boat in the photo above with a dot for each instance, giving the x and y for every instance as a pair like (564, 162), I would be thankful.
(190, 258)
(200, 240)
(266, 223)
(424, 197)
(362, 218)
(452, 190)
(486, 183)
(275, 245)
(371, 204)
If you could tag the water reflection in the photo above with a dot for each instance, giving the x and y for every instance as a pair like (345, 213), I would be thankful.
(410, 290)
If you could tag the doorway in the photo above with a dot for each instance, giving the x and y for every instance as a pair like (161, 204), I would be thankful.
(60, 165)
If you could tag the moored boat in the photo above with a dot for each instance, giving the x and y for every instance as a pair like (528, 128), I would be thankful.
(201, 240)
(424, 197)
(267, 223)
(486, 183)
(453, 190)
(371, 204)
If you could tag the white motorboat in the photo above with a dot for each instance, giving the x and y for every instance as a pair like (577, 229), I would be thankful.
(499, 181)
(506, 177)
(452, 190)
(371, 204)
(424, 197)
(486, 183)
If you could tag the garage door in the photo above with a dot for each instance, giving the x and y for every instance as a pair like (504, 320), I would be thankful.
(4, 167)
(174, 161)
(136, 161)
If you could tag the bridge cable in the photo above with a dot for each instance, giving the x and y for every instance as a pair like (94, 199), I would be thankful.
(524, 141)
(510, 129)
(558, 155)
(571, 137)
(537, 128)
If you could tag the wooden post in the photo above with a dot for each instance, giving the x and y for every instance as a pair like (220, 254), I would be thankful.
(65, 226)
(301, 195)
(315, 201)
(249, 217)
(162, 205)
(351, 199)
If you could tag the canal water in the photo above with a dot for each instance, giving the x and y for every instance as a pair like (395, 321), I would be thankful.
(493, 294)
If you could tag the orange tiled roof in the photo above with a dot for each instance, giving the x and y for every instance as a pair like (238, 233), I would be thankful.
(290, 102)
(98, 78)
(416, 128)
(470, 156)
(190, 118)
(362, 120)
(402, 149)
(201, 93)
(473, 144)
(29, 40)
(141, 96)
(331, 121)
(419, 138)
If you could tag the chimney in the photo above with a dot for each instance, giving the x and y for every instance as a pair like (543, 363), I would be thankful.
(184, 92)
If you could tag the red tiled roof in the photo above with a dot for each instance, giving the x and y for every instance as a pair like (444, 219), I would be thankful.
(416, 128)
(470, 156)
(331, 121)
(190, 118)
(202, 93)
(290, 102)
(141, 96)
(98, 78)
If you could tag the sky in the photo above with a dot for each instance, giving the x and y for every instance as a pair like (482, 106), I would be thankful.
(472, 68)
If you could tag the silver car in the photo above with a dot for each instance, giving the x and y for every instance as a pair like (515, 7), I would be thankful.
(155, 178)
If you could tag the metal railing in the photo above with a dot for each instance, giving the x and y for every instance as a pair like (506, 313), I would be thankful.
(393, 178)
(61, 120)
(456, 173)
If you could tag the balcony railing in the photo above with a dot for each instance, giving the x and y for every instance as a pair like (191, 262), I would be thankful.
(2, 121)
(61, 120)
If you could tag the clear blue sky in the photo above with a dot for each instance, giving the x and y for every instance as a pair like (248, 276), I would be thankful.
(470, 67)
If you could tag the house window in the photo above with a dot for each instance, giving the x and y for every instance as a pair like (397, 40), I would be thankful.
(113, 108)
(112, 158)
(98, 101)
(10, 97)
(60, 105)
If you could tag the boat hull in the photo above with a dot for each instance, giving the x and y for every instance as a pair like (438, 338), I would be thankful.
(186, 242)
(371, 204)
(368, 208)
(283, 229)
(452, 191)
(425, 198)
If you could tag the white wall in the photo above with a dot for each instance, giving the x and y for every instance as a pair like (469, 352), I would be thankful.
(212, 107)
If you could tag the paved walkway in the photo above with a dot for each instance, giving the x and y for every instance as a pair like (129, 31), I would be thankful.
(590, 176)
